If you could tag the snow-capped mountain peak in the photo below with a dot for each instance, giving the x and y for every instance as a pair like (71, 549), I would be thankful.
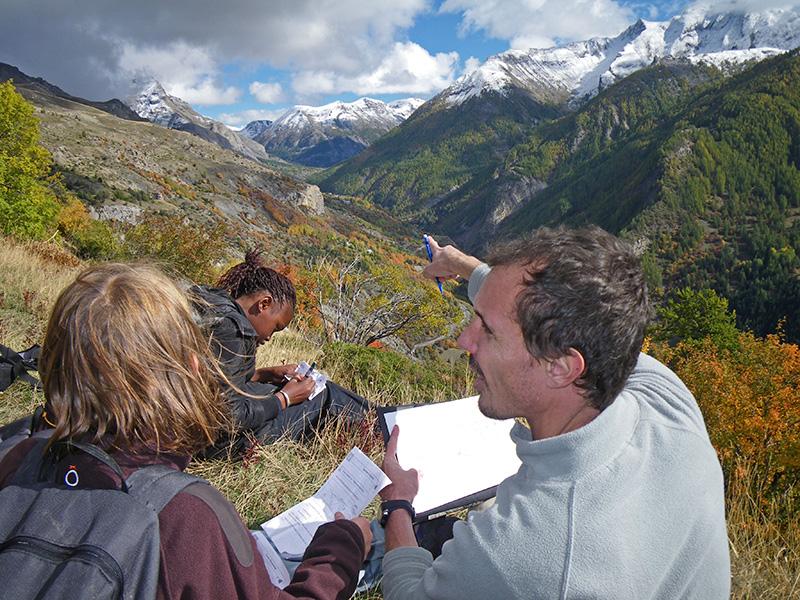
(349, 114)
(255, 128)
(153, 103)
(325, 135)
(581, 69)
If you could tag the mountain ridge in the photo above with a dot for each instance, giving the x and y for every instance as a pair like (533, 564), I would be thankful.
(321, 136)
(113, 106)
(153, 103)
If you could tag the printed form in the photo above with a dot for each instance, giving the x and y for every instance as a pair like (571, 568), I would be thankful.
(348, 490)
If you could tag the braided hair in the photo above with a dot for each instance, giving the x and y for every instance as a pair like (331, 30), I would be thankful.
(252, 276)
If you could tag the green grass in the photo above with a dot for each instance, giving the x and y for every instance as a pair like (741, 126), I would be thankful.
(765, 549)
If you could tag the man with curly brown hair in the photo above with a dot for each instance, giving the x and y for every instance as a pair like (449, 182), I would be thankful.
(620, 492)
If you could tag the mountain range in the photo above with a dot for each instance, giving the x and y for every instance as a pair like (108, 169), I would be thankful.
(682, 136)
(326, 135)
(469, 126)
(305, 135)
(154, 104)
(579, 70)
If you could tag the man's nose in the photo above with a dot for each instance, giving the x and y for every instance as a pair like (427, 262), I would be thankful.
(467, 338)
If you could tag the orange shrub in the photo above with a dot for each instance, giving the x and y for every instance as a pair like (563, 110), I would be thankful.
(750, 398)
(306, 287)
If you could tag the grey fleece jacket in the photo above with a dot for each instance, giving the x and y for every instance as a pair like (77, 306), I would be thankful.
(629, 506)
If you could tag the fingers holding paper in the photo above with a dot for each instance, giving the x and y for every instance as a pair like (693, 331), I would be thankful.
(405, 483)
(363, 525)
(298, 391)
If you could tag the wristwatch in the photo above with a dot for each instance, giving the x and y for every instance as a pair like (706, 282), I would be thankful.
(391, 505)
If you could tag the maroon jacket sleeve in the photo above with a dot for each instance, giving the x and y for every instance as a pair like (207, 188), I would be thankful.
(207, 552)
(331, 563)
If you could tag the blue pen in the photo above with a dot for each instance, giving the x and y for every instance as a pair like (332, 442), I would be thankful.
(430, 258)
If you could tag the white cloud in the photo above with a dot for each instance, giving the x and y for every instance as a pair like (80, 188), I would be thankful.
(742, 5)
(59, 40)
(237, 120)
(471, 64)
(267, 93)
(188, 72)
(541, 23)
(407, 69)
(205, 92)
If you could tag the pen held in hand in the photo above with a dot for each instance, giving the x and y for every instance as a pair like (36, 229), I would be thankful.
(430, 258)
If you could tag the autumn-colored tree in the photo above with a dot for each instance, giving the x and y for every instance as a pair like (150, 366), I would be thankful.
(361, 305)
(750, 399)
(306, 289)
(190, 250)
(28, 208)
(89, 237)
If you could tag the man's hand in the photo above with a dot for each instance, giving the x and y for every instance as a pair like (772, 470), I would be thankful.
(405, 483)
(298, 391)
(449, 262)
(276, 375)
(363, 525)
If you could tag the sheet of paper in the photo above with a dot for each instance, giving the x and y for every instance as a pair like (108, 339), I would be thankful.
(457, 450)
(277, 571)
(348, 490)
(320, 378)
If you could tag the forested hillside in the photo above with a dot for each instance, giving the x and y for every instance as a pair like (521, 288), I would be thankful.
(438, 150)
(709, 182)
(702, 169)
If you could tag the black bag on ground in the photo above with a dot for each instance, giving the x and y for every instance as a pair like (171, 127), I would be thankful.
(15, 365)
(21, 429)
(59, 542)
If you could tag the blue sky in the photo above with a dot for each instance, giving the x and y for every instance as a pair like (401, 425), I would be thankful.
(245, 59)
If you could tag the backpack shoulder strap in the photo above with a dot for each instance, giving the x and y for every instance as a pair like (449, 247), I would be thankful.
(30, 469)
(156, 485)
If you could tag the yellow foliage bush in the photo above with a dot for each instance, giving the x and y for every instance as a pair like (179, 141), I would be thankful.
(750, 399)
(301, 229)
(89, 237)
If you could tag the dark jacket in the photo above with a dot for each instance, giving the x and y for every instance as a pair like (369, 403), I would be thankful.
(234, 341)
(207, 552)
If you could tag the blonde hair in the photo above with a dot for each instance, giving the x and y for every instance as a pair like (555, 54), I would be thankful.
(124, 364)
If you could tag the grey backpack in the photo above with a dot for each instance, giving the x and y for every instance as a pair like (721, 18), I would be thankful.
(60, 542)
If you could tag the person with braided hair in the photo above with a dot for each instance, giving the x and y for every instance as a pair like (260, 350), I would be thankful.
(250, 304)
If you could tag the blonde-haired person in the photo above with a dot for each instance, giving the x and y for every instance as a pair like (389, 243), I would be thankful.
(124, 367)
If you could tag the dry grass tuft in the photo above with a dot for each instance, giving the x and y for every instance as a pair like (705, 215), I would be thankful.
(764, 537)
(31, 277)
(764, 541)
(273, 478)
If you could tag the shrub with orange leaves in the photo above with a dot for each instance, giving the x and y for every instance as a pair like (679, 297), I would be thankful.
(306, 288)
(750, 398)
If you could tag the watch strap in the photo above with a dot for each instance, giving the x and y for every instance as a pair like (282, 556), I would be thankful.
(389, 506)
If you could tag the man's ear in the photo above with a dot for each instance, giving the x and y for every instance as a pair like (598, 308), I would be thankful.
(567, 369)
